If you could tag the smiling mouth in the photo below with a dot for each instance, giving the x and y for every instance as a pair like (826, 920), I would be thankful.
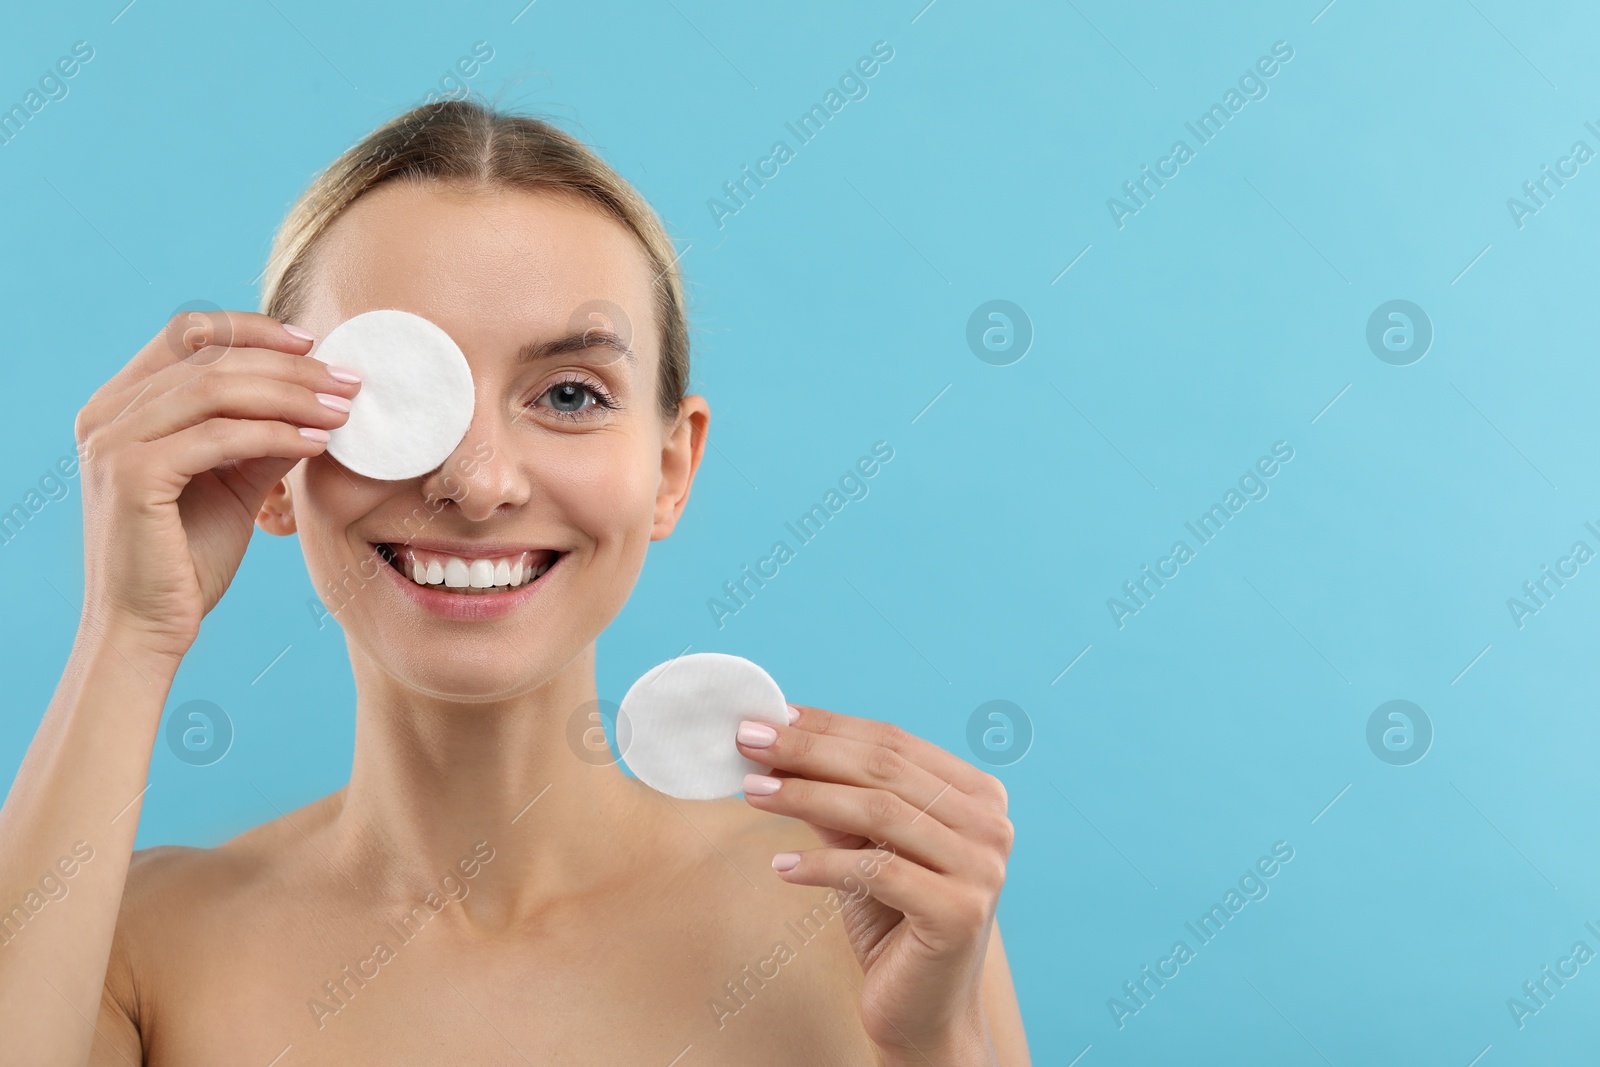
(468, 575)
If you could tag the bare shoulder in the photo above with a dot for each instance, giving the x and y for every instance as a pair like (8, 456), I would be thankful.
(736, 843)
(760, 831)
(806, 921)
(176, 877)
(176, 896)
(749, 838)
(785, 957)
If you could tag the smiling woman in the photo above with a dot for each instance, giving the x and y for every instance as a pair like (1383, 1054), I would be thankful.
(612, 916)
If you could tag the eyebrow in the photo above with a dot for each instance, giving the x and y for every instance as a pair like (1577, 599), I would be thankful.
(594, 337)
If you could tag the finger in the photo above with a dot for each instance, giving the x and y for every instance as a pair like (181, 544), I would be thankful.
(189, 333)
(217, 441)
(945, 914)
(876, 815)
(950, 768)
(310, 374)
(834, 758)
(235, 396)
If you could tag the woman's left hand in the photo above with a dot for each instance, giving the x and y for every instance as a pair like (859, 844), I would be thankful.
(918, 910)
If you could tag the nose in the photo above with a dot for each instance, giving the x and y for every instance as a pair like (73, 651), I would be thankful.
(485, 474)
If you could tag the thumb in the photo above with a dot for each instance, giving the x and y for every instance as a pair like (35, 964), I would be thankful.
(252, 479)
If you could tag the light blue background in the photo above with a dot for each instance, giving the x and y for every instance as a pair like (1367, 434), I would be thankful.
(1225, 316)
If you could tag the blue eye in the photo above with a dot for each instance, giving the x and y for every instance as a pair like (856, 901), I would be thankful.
(568, 398)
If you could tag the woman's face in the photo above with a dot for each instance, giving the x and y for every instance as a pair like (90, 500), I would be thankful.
(567, 456)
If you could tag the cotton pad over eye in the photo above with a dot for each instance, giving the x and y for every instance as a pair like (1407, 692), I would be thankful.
(676, 724)
(416, 398)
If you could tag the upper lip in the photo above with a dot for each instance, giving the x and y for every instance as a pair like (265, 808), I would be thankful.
(474, 549)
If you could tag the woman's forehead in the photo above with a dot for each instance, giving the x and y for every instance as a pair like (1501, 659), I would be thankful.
(503, 259)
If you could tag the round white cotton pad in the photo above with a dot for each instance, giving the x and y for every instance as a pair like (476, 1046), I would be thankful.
(676, 724)
(416, 399)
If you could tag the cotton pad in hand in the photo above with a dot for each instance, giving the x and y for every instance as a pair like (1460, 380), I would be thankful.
(416, 399)
(676, 724)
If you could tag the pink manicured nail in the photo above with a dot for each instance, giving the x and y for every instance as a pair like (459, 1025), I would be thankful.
(756, 734)
(312, 433)
(761, 785)
(337, 403)
(794, 713)
(343, 374)
(295, 331)
(785, 861)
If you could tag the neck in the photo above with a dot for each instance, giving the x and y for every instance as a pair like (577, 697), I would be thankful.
(436, 785)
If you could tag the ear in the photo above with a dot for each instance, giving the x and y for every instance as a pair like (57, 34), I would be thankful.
(685, 443)
(277, 510)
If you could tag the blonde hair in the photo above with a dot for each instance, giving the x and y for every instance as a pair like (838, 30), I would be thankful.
(464, 141)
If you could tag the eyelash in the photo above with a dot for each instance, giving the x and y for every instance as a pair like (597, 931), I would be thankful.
(601, 397)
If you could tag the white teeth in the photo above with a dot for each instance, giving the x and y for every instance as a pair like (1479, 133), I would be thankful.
(473, 575)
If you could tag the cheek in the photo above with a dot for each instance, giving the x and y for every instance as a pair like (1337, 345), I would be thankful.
(317, 494)
(607, 492)
(325, 503)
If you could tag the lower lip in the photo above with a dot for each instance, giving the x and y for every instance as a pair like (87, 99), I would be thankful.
(471, 607)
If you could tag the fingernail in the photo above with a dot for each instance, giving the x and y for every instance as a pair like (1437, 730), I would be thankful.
(761, 785)
(343, 374)
(785, 861)
(337, 403)
(756, 734)
(295, 331)
(312, 433)
(794, 713)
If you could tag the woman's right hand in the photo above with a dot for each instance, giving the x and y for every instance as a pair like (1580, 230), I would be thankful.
(178, 450)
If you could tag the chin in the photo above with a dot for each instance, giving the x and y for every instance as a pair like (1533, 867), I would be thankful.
(492, 674)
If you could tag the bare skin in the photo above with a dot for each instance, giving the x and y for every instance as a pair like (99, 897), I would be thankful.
(479, 892)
